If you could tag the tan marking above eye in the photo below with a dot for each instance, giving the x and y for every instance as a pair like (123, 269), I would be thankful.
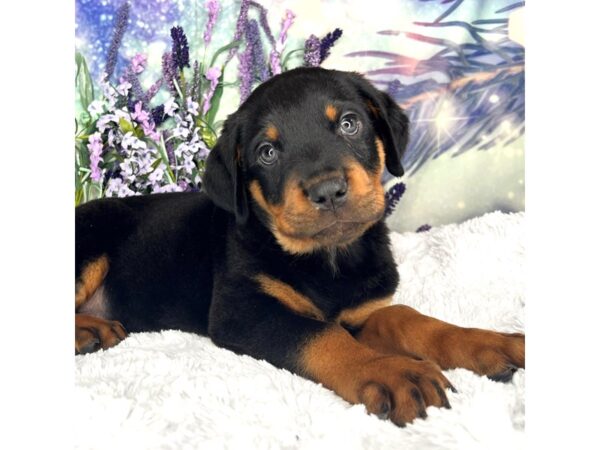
(289, 297)
(358, 315)
(272, 132)
(295, 213)
(331, 112)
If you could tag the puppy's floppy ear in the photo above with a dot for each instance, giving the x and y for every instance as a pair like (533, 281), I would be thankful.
(391, 124)
(223, 178)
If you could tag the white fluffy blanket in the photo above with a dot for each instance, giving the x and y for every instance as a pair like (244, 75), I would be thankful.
(174, 390)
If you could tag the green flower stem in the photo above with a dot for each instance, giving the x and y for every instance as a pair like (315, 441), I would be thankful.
(163, 154)
(177, 88)
(183, 86)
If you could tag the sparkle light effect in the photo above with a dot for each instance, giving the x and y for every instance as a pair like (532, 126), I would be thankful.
(149, 25)
(471, 60)
(468, 96)
(445, 121)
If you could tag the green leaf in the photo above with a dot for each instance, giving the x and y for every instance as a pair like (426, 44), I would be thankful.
(208, 135)
(86, 175)
(126, 126)
(78, 196)
(223, 49)
(215, 102)
(178, 89)
(201, 167)
(287, 56)
(162, 151)
(78, 178)
(83, 82)
(113, 157)
(85, 118)
(156, 163)
(139, 133)
(94, 190)
(78, 62)
(83, 154)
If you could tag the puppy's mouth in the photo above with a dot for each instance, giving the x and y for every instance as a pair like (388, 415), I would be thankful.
(338, 231)
(341, 227)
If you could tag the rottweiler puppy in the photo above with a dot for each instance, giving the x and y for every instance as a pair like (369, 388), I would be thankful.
(284, 256)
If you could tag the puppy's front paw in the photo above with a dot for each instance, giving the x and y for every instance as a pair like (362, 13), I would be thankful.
(400, 388)
(93, 333)
(497, 355)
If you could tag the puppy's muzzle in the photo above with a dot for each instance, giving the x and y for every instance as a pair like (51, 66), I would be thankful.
(329, 194)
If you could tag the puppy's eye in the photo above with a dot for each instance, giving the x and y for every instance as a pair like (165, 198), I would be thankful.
(267, 154)
(349, 125)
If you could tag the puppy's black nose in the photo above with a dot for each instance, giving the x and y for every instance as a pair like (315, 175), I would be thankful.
(329, 194)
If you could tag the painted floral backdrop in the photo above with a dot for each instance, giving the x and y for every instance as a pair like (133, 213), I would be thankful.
(156, 78)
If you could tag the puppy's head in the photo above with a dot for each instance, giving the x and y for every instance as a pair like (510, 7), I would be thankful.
(305, 153)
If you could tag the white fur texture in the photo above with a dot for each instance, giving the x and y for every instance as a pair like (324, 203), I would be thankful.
(174, 390)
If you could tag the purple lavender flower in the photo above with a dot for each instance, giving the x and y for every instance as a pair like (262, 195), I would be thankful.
(192, 107)
(240, 27)
(275, 62)
(180, 49)
(121, 19)
(136, 86)
(328, 41)
(264, 23)
(392, 197)
(150, 130)
(259, 66)
(286, 23)
(139, 114)
(95, 148)
(213, 74)
(194, 86)
(423, 228)
(116, 187)
(138, 63)
(170, 152)
(158, 114)
(152, 90)
(168, 70)
(245, 68)
(312, 51)
(142, 117)
(212, 7)
(96, 108)
(170, 107)
(123, 88)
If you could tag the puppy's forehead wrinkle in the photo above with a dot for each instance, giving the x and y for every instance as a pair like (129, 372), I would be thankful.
(297, 125)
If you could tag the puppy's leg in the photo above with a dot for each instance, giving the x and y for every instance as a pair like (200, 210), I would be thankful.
(393, 386)
(401, 329)
(93, 333)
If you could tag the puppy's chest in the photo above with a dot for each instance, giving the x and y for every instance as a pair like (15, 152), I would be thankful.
(348, 300)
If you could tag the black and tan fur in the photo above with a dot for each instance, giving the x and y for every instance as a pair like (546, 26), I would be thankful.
(286, 260)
